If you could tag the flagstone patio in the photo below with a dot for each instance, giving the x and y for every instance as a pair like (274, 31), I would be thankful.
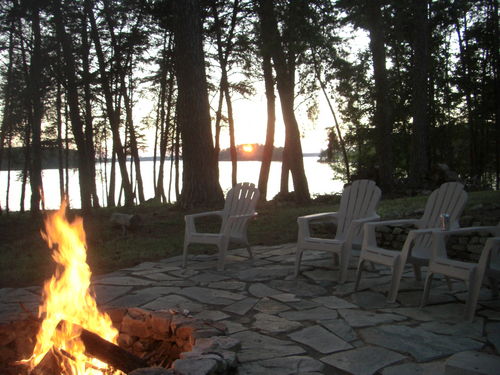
(310, 325)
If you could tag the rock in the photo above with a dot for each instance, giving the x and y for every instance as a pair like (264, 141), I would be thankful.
(472, 363)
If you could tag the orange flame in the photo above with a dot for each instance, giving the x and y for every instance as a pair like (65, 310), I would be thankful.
(66, 297)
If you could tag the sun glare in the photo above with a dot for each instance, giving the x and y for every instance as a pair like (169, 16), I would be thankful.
(248, 148)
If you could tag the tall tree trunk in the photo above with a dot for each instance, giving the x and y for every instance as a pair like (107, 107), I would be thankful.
(74, 111)
(89, 127)
(34, 85)
(6, 126)
(112, 113)
(267, 153)
(223, 56)
(134, 150)
(495, 62)
(60, 146)
(199, 183)
(167, 102)
(419, 156)
(285, 75)
(383, 112)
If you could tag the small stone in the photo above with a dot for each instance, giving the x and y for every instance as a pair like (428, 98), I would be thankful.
(320, 339)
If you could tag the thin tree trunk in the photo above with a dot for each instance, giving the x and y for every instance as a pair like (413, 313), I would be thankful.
(337, 126)
(89, 128)
(223, 56)
(285, 74)
(267, 153)
(74, 111)
(34, 85)
(112, 112)
(60, 156)
(383, 112)
(419, 157)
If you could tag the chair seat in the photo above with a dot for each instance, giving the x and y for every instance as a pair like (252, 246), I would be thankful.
(357, 206)
(449, 198)
(239, 208)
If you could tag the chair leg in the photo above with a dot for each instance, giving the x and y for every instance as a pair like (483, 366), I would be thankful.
(185, 254)
(344, 265)
(250, 253)
(416, 271)
(298, 259)
(473, 295)
(397, 273)
(427, 289)
(358, 274)
(494, 287)
(222, 254)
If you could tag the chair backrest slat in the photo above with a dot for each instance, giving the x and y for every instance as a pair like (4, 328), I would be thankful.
(359, 200)
(450, 198)
(240, 200)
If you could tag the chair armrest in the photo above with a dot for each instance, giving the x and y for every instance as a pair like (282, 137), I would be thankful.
(439, 237)
(369, 236)
(305, 221)
(190, 219)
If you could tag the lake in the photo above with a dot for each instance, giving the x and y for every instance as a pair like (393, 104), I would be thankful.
(319, 176)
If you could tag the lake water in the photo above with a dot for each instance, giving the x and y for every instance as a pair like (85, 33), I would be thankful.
(319, 176)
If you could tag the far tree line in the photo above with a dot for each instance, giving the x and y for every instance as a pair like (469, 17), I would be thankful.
(423, 89)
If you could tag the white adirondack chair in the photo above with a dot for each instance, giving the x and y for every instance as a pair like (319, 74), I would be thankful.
(449, 198)
(239, 207)
(472, 273)
(357, 206)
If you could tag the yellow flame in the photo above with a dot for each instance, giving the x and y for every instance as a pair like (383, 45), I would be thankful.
(66, 297)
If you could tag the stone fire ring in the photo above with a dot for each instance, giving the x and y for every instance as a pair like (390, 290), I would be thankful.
(201, 346)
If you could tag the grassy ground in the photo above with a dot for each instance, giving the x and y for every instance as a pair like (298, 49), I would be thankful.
(25, 258)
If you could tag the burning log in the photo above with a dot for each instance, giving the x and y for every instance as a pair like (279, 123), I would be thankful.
(107, 352)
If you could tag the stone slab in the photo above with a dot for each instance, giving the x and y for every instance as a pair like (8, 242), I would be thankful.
(472, 363)
(275, 324)
(333, 302)
(432, 368)
(361, 318)
(211, 296)
(422, 345)
(256, 346)
(340, 328)
(241, 307)
(366, 360)
(270, 306)
(262, 290)
(282, 366)
(318, 313)
(320, 339)
(174, 301)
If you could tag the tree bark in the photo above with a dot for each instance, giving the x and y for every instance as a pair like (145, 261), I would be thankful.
(112, 113)
(285, 75)
(74, 111)
(34, 85)
(383, 112)
(200, 186)
(419, 156)
(267, 154)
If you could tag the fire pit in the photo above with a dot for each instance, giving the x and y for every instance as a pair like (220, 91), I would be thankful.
(168, 341)
(73, 337)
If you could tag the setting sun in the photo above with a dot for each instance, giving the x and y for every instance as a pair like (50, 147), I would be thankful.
(247, 148)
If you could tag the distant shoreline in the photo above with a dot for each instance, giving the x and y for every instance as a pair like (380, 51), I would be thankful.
(51, 163)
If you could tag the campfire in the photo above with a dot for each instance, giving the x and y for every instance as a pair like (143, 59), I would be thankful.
(74, 337)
